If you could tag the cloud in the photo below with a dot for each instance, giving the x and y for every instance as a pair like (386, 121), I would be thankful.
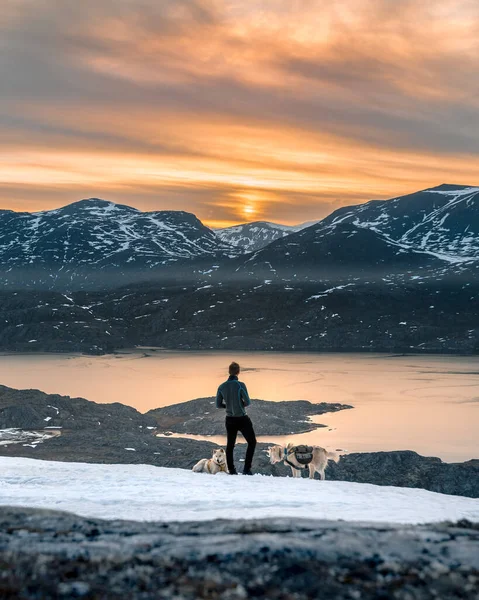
(307, 104)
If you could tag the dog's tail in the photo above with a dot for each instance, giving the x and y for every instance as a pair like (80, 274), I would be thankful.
(332, 456)
(198, 468)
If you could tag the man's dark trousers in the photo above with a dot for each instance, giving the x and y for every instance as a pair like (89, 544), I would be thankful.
(245, 426)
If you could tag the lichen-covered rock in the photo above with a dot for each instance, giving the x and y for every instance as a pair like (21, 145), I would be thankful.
(47, 555)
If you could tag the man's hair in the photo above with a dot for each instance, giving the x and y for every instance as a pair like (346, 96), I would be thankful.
(234, 368)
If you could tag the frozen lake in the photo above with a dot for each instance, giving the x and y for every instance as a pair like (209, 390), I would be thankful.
(429, 404)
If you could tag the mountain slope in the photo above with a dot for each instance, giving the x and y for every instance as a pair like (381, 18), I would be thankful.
(95, 240)
(334, 251)
(443, 219)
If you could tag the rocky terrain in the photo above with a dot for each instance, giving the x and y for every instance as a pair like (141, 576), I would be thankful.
(113, 433)
(33, 409)
(45, 554)
(404, 468)
(200, 416)
(355, 316)
(89, 432)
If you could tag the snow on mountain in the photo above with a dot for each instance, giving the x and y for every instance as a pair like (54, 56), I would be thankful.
(100, 232)
(97, 235)
(337, 249)
(147, 493)
(95, 244)
(443, 220)
(254, 236)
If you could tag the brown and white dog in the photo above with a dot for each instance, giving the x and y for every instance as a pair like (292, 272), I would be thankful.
(317, 465)
(213, 465)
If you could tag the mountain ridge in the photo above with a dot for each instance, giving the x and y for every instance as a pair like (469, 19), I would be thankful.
(98, 244)
(443, 219)
(101, 240)
(335, 250)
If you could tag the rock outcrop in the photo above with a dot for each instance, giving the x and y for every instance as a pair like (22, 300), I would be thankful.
(33, 409)
(200, 416)
(404, 468)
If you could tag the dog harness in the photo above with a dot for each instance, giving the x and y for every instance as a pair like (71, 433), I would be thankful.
(303, 454)
(221, 466)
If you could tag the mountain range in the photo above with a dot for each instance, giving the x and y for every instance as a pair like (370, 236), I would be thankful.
(95, 244)
(398, 275)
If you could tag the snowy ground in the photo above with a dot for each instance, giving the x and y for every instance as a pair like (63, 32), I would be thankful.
(147, 493)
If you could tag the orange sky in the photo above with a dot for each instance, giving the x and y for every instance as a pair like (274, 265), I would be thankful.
(235, 110)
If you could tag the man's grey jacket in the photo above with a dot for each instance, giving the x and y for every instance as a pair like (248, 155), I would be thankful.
(233, 396)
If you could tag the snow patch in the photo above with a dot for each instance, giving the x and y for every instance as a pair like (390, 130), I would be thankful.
(455, 193)
(148, 493)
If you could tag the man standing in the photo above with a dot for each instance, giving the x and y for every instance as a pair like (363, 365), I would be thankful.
(233, 396)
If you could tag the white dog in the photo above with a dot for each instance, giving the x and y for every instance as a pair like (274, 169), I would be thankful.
(213, 465)
(318, 463)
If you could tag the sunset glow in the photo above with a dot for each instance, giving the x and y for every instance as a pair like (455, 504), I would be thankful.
(270, 110)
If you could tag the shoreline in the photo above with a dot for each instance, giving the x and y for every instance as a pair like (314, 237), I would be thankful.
(423, 403)
(168, 422)
(118, 434)
(213, 351)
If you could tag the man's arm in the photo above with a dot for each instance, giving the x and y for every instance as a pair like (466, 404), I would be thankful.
(220, 401)
(244, 395)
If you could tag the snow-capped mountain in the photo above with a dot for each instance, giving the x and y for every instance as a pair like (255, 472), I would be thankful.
(443, 219)
(385, 276)
(95, 244)
(250, 237)
(336, 250)
(92, 238)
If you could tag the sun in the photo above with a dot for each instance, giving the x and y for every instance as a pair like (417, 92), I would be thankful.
(249, 210)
